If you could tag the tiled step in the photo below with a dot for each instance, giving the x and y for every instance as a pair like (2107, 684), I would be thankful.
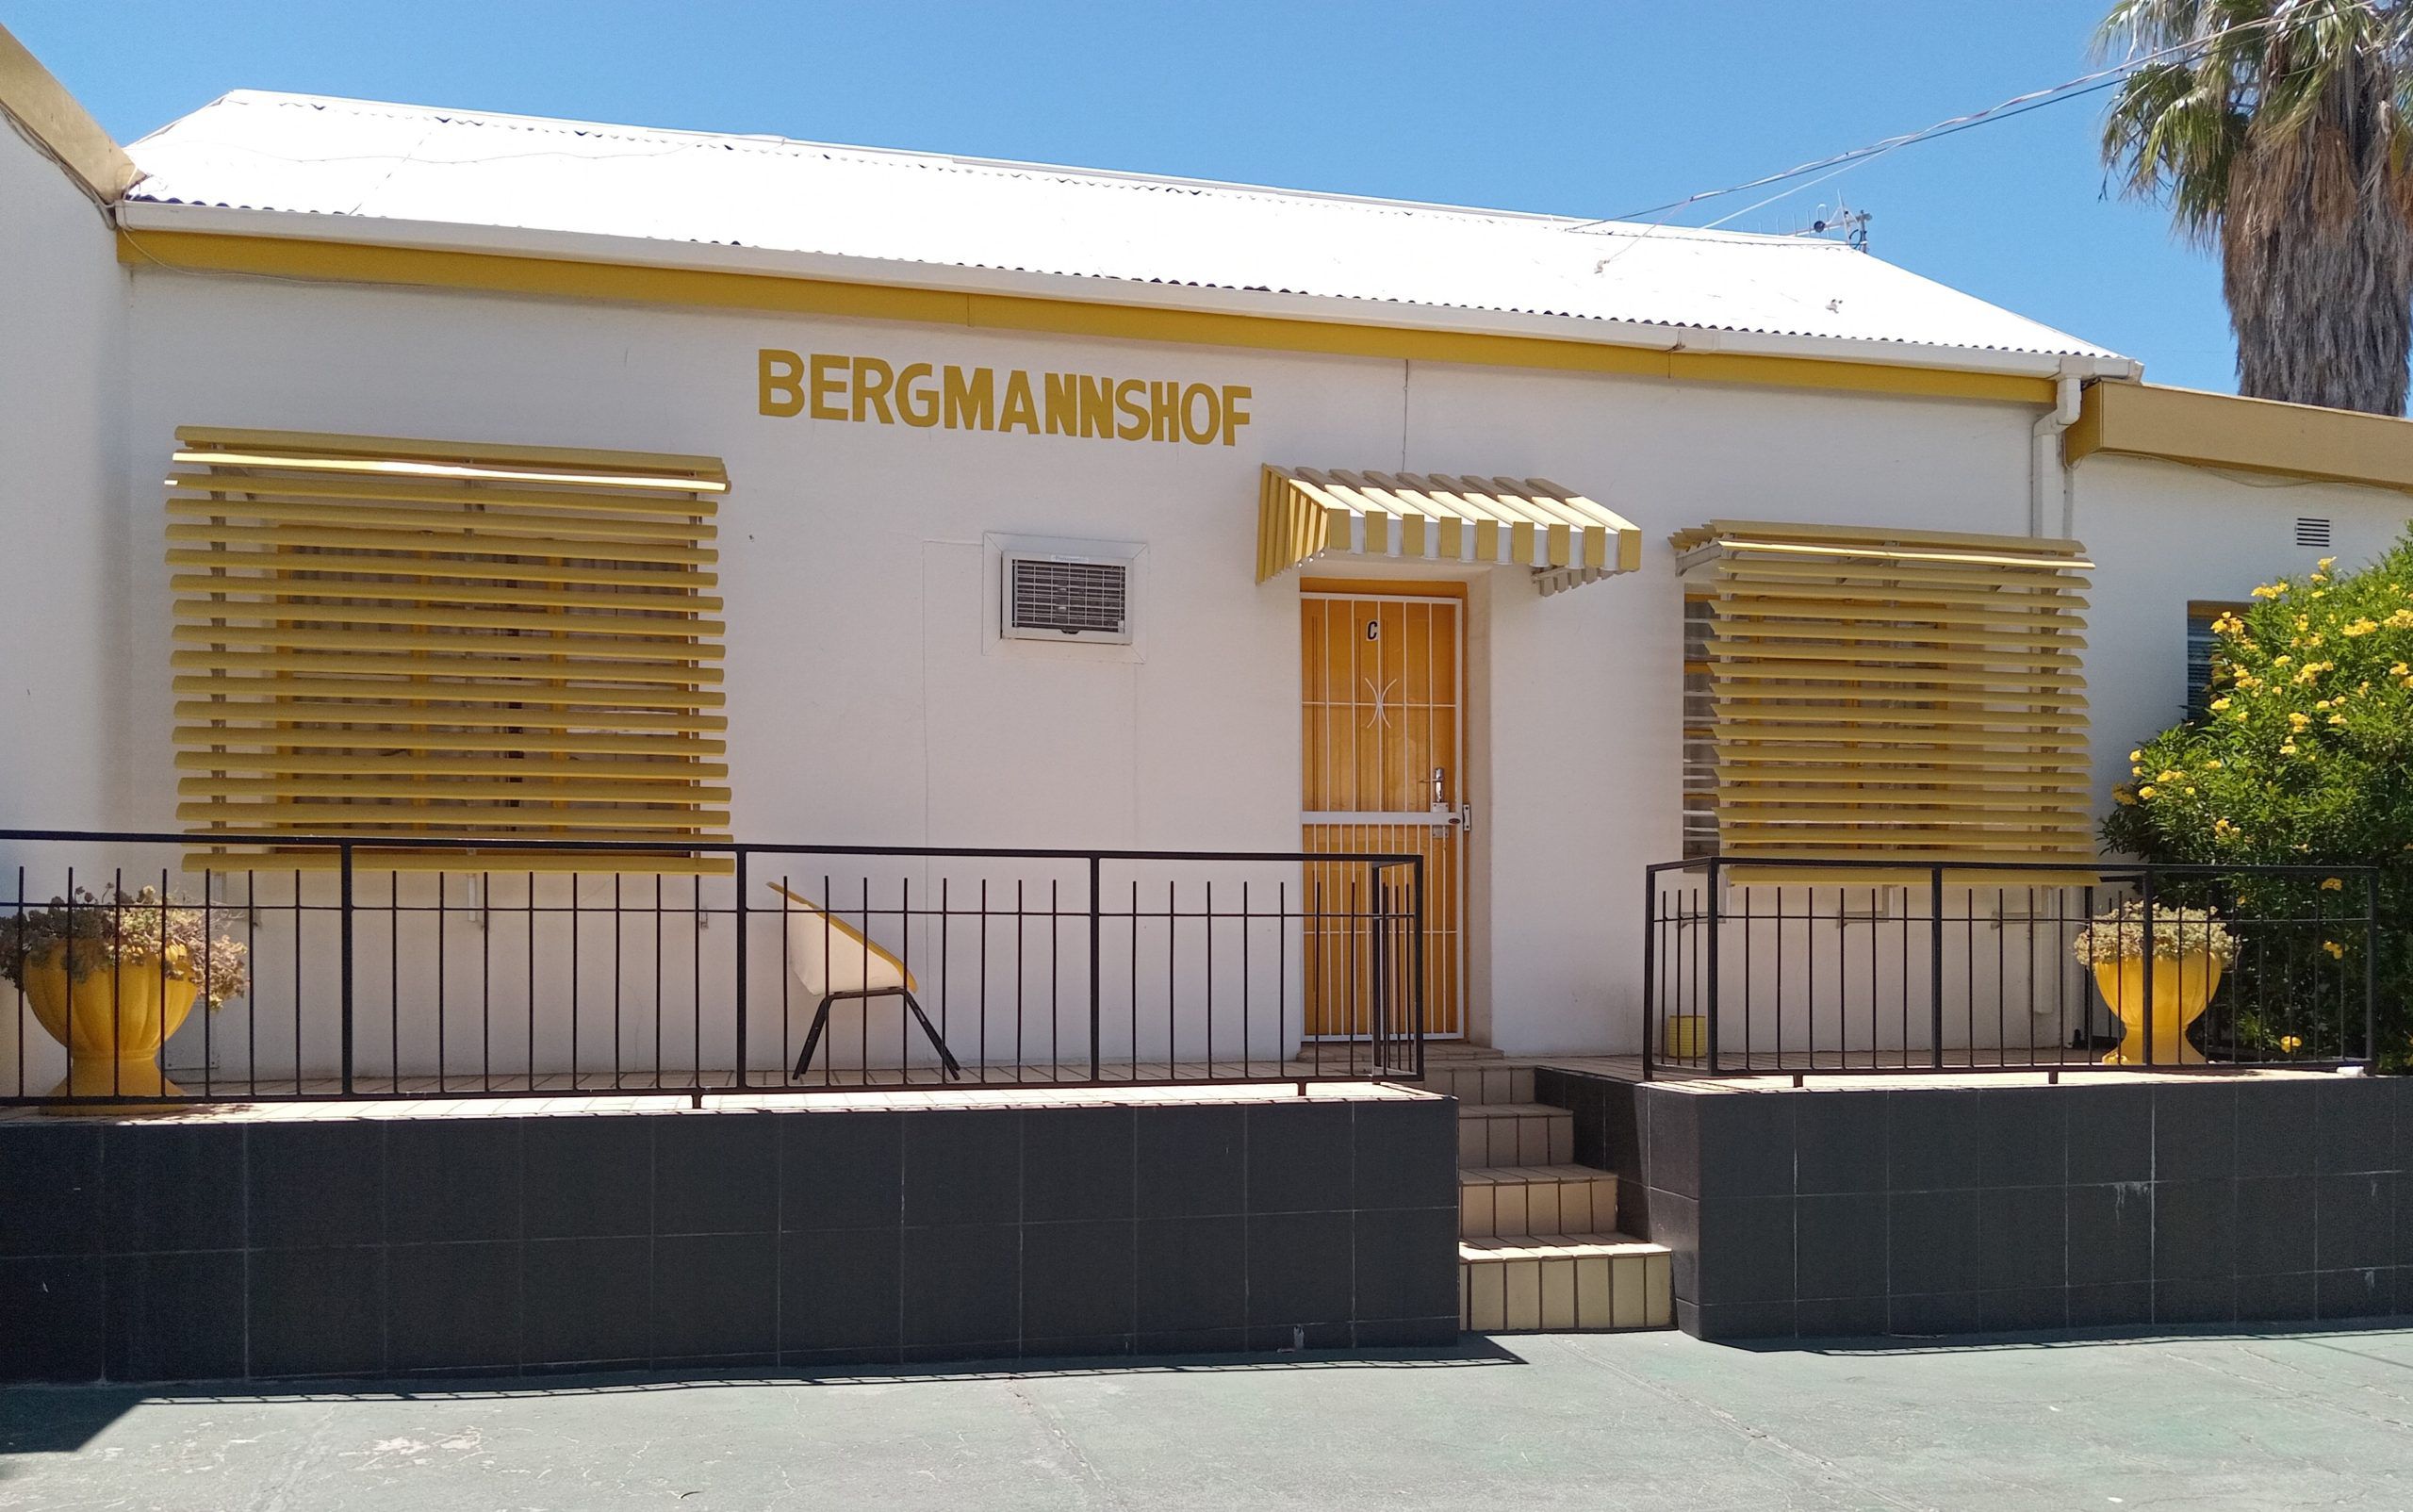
(1479, 1082)
(1557, 1282)
(1535, 1199)
(1514, 1134)
(1458, 1051)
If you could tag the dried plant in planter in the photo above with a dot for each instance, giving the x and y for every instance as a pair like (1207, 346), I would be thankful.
(144, 930)
(2120, 935)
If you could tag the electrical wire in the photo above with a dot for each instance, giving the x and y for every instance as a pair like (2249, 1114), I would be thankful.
(2018, 104)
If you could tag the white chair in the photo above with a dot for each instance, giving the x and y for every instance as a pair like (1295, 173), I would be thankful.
(832, 960)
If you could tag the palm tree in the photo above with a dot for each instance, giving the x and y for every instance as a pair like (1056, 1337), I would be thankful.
(2278, 129)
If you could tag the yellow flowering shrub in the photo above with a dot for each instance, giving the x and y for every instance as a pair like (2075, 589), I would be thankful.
(2306, 755)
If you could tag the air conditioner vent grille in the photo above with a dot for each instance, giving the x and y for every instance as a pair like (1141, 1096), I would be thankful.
(1049, 598)
(2312, 530)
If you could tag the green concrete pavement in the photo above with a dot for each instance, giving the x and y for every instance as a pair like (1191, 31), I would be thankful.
(1632, 1420)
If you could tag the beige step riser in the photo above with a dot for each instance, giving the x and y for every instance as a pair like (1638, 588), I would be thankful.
(1522, 1138)
(1482, 1084)
(1570, 1206)
(1570, 1295)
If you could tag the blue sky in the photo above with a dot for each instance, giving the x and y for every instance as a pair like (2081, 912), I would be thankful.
(1598, 109)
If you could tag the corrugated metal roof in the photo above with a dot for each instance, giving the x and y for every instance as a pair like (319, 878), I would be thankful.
(353, 158)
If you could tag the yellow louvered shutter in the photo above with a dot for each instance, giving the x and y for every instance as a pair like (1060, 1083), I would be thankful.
(404, 638)
(1877, 694)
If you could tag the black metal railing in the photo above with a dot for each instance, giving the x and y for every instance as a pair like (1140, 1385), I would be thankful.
(405, 966)
(1798, 965)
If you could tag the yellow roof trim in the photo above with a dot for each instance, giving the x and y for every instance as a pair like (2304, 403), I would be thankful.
(2208, 429)
(562, 278)
(38, 102)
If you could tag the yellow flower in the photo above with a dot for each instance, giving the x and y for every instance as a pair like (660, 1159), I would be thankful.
(2218, 704)
(2400, 669)
(2123, 797)
(2337, 721)
(2221, 829)
(2191, 792)
(2312, 640)
(2290, 1044)
(2240, 716)
(2337, 951)
(2333, 884)
(2400, 619)
(2145, 792)
(2298, 720)
(2173, 775)
(2360, 627)
(2269, 590)
(2324, 564)
(2213, 765)
(2136, 755)
(2281, 660)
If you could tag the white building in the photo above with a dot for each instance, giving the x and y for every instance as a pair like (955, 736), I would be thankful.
(912, 370)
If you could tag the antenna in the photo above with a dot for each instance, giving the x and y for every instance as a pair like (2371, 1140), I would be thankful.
(1850, 224)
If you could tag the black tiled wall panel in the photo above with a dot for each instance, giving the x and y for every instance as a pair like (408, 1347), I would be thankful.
(1967, 1209)
(196, 1251)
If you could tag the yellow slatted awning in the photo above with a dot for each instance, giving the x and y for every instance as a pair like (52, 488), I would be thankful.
(1870, 692)
(1566, 539)
(380, 636)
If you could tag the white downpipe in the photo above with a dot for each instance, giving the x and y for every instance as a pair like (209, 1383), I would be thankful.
(2047, 478)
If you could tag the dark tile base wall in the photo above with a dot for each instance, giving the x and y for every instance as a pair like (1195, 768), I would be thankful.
(197, 1251)
(1916, 1211)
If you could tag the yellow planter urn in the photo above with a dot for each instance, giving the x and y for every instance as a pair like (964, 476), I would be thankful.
(112, 1022)
(2182, 986)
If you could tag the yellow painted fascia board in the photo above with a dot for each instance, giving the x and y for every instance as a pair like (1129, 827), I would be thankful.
(2209, 430)
(562, 278)
(64, 129)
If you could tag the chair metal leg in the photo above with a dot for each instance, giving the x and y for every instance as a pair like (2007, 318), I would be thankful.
(946, 1057)
(813, 1039)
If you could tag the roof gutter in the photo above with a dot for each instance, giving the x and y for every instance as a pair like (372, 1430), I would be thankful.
(136, 217)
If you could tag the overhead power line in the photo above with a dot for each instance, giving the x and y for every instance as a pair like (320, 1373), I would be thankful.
(2018, 104)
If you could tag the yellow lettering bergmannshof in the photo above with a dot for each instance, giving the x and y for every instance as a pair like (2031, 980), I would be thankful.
(865, 391)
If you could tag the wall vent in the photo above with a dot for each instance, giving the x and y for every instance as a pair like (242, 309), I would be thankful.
(1067, 597)
(2312, 530)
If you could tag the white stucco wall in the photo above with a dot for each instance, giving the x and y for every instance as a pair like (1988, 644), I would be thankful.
(870, 703)
(2162, 534)
(61, 362)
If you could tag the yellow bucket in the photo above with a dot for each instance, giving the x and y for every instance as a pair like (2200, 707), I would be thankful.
(1687, 1037)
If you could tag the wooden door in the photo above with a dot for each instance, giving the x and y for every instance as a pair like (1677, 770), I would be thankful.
(1383, 772)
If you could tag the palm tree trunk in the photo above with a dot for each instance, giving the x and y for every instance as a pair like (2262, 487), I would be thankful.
(2317, 256)
(2324, 316)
